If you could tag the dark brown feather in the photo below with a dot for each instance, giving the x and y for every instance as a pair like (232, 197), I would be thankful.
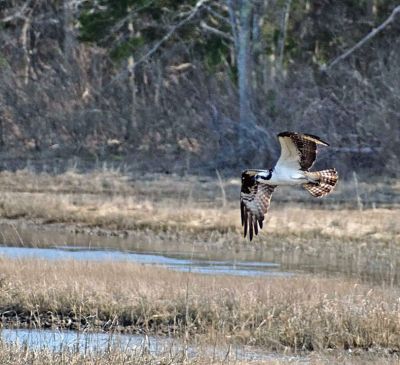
(254, 202)
(251, 226)
(242, 214)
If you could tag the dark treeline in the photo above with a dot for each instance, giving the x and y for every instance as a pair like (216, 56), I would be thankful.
(199, 85)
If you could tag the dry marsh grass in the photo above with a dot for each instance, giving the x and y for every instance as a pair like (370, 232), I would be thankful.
(381, 192)
(182, 213)
(298, 313)
(189, 208)
(18, 354)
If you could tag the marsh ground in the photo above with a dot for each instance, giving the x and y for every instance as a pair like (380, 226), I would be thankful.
(345, 249)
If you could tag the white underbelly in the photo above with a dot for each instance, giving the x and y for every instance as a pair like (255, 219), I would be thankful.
(287, 177)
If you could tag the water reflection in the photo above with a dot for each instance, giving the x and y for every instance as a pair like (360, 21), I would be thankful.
(86, 342)
(80, 341)
(372, 260)
(239, 268)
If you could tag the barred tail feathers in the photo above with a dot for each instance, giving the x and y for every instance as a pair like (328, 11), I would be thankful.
(321, 182)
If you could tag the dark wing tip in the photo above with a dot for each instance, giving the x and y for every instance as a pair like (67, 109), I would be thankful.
(245, 230)
(317, 139)
(250, 226)
(242, 212)
(249, 223)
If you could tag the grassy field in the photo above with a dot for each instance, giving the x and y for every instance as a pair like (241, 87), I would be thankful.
(344, 232)
(191, 208)
(353, 235)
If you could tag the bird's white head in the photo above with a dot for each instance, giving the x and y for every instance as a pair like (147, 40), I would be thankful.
(263, 176)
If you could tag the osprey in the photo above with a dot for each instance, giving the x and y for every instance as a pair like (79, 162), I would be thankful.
(298, 153)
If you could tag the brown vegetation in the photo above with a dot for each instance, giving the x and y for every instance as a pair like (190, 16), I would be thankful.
(189, 205)
(61, 98)
(20, 355)
(297, 313)
(192, 92)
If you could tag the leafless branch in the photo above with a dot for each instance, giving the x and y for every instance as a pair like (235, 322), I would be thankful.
(17, 15)
(24, 41)
(368, 37)
(216, 31)
(218, 15)
(155, 48)
(234, 23)
(126, 19)
(167, 36)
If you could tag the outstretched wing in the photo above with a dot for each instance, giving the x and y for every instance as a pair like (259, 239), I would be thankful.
(298, 151)
(254, 202)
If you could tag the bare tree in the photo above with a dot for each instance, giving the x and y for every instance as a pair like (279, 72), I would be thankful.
(364, 40)
(240, 15)
(132, 84)
(283, 33)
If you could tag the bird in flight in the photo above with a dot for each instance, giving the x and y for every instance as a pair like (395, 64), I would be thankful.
(298, 153)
